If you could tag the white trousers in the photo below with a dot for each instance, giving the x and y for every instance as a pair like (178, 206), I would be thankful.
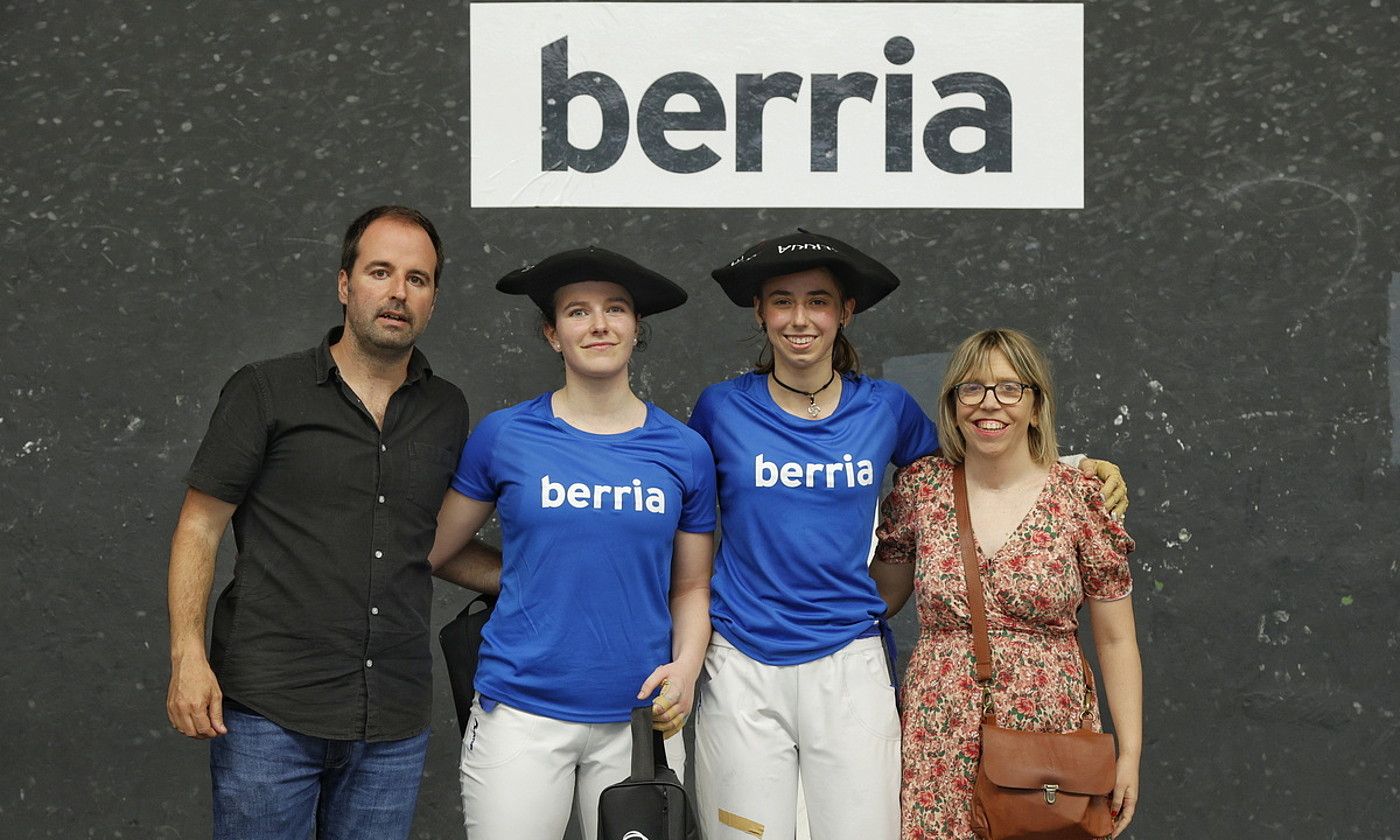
(830, 724)
(522, 772)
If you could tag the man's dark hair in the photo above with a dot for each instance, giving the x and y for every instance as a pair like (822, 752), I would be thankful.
(350, 249)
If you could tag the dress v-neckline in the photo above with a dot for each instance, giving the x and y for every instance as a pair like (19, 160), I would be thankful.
(1018, 527)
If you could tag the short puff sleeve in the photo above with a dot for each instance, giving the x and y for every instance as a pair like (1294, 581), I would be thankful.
(897, 532)
(1103, 546)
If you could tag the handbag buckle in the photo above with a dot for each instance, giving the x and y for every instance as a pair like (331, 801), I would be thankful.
(1050, 791)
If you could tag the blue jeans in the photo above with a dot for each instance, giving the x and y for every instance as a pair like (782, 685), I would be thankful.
(274, 784)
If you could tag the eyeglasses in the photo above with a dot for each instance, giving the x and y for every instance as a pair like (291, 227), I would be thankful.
(1006, 393)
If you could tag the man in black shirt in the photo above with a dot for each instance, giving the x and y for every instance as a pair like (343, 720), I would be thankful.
(331, 464)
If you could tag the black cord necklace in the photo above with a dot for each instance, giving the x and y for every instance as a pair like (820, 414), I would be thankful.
(813, 409)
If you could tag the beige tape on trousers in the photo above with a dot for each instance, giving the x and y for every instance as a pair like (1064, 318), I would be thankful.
(743, 824)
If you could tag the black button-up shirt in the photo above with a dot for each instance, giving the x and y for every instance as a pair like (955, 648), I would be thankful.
(324, 628)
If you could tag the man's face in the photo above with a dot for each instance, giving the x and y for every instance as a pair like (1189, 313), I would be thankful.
(390, 291)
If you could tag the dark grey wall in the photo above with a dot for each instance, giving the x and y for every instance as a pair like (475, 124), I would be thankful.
(176, 176)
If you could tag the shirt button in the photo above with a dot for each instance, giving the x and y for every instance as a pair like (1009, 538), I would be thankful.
(374, 610)
(378, 554)
(369, 663)
(383, 448)
(381, 500)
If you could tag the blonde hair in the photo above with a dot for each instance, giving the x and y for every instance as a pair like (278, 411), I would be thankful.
(974, 355)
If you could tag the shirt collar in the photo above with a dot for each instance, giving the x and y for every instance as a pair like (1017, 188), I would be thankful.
(418, 367)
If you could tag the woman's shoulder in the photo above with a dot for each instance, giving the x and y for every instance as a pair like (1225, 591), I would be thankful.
(886, 388)
(539, 404)
(726, 389)
(740, 382)
(933, 467)
(501, 417)
(709, 406)
(883, 395)
(1072, 485)
(1072, 479)
(665, 422)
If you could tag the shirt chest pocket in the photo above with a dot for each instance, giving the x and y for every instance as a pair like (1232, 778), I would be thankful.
(429, 472)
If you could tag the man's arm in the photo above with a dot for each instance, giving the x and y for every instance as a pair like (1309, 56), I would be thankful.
(457, 555)
(194, 702)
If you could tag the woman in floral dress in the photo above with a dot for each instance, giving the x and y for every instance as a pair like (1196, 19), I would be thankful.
(1046, 545)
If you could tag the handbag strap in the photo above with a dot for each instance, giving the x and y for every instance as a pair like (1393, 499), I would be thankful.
(648, 746)
(977, 604)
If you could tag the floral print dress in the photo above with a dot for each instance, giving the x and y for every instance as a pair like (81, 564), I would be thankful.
(1066, 549)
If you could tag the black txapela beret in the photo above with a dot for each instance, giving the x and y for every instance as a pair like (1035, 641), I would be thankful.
(862, 277)
(651, 292)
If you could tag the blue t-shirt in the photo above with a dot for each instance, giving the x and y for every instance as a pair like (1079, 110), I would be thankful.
(587, 527)
(798, 500)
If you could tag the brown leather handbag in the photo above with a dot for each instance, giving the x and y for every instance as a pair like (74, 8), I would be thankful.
(1032, 785)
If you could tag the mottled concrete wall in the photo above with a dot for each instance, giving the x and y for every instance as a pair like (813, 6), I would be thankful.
(176, 177)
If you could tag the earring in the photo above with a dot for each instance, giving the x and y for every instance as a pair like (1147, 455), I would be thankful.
(555, 346)
(634, 342)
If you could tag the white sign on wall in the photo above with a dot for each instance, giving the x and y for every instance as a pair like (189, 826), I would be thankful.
(777, 105)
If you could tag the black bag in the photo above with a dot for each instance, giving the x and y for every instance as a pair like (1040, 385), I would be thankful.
(461, 643)
(651, 804)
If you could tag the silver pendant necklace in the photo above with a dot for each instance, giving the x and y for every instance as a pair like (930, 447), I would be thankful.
(813, 409)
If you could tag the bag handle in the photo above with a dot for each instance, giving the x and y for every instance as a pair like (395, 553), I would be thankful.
(648, 747)
(977, 604)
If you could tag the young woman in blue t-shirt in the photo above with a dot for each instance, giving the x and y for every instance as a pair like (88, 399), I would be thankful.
(796, 682)
(607, 513)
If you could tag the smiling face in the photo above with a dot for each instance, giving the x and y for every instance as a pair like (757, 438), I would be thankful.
(801, 314)
(988, 357)
(595, 328)
(389, 292)
(993, 430)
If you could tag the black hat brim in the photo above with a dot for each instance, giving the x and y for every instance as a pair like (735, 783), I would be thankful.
(862, 278)
(651, 292)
